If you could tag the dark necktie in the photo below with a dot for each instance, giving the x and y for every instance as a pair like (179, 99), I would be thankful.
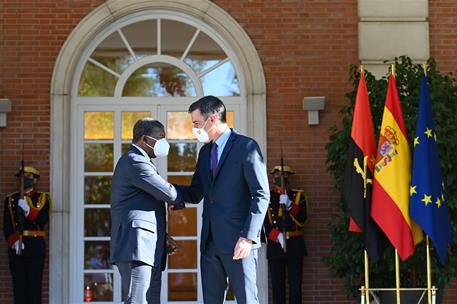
(213, 159)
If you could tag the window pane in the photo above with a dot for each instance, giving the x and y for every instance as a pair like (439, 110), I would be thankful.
(204, 53)
(97, 189)
(113, 53)
(222, 81)
(125, 147)
(230, 295)
(98, 157)
(182, 287)
(128, 121)
(180, 179)
(182, 157)
(159, 79)
(96, 82)
(230, 118)
(97, 222)
(186, 256)
(98, 125)
(96, 255)
(179, 126)
(100, 285)
(142, 37)
(175, 37)
(183, 222)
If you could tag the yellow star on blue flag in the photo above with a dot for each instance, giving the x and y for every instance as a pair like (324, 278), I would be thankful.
(433, 218)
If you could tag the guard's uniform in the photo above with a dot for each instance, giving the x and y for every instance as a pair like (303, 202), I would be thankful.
(27, 268)
(278, 260)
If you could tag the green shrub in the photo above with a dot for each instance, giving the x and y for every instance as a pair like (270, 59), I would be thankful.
(346, 258)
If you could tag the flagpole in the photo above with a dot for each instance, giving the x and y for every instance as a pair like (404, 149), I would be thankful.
(397, 276)
(429, 264)
(397, 261)
(429, 273)
(367, 291)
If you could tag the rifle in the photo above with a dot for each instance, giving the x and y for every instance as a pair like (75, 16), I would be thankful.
(20, 219)
(283, 213)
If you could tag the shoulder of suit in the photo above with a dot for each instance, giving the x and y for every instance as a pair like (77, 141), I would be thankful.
(244, 139)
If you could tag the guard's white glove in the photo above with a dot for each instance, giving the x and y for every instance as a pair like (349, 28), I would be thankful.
(15, 246)
(281, 239)
(22, 202)
(284, 200)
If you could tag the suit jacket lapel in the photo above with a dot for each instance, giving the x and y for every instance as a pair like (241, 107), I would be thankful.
(205, 168)
(227, 148)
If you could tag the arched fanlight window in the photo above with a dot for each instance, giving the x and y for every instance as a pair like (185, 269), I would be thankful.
(158, 57)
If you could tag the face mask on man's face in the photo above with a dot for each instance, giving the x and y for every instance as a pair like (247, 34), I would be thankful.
(161, 147)
(201, 134)
(28, 183)
(277, 181)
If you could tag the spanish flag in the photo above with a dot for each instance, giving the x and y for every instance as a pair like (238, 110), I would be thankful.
(358, 176)
(392, 176)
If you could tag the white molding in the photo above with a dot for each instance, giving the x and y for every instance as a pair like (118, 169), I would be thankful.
(385, 40)
(158, 58)
(75, 48)
(398, 9)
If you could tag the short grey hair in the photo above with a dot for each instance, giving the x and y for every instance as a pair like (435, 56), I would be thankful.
(146, 126)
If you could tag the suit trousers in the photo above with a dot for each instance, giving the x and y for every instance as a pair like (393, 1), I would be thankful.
(27, 274)
(216, 267)
(141, 283)
(278, 279)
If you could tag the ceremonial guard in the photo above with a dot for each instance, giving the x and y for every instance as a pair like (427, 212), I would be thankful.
(286, 247)
(25, 215)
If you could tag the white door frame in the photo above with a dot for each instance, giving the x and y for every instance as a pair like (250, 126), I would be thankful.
(61, 99)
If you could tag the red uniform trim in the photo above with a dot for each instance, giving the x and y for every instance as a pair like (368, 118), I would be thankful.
(12, 239)
(33, 213)
(294, 209)
(273, 236)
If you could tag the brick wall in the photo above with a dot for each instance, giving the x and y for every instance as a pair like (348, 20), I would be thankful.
(443, 47)
(305, 48)
(31, 35)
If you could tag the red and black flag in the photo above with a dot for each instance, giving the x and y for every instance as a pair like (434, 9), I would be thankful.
(358, 178)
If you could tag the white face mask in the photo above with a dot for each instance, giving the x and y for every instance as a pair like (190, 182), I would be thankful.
(161, 147)
(201, 134)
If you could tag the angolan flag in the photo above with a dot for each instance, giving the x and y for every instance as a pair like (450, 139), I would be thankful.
(358, 178)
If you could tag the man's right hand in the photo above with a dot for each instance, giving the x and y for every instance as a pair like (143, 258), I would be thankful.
(15, 246)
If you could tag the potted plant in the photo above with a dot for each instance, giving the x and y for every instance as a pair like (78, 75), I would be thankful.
(346, 257)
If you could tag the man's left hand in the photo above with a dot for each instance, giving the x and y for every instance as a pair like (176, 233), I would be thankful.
(242, 248)
(172, 246)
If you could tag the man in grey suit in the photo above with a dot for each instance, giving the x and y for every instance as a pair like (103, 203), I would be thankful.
(232, 179)
(138, 214)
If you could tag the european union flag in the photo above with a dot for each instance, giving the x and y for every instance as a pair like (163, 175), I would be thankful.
(428, 205)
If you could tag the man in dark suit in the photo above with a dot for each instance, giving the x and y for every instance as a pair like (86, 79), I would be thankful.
(138, 214)
(231, 177)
